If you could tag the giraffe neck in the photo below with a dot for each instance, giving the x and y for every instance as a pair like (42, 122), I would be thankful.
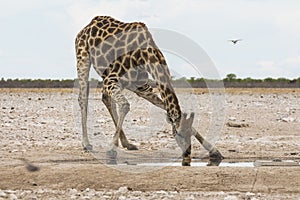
(162, 77)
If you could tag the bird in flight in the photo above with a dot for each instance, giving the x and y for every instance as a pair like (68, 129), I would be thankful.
(235, 41)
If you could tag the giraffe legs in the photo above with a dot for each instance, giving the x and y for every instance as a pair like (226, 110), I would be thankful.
(215, 156)
(111, 106)
(112, 92)
(83, 67)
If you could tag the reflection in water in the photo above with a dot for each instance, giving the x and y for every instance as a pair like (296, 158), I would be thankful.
(119, 157)
(214, 162)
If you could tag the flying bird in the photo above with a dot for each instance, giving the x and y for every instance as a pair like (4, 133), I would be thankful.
(235, 41)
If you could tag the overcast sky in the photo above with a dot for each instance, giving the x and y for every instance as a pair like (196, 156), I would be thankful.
(37, 37)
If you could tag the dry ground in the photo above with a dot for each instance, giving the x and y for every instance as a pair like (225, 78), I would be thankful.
(42, 126)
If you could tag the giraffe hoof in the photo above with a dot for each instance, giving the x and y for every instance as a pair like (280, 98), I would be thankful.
(88, 147)
(215, 158)
(185, 163)
(216, 155)
(131, 147)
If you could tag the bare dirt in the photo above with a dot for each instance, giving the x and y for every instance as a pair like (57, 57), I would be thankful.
(40, 128)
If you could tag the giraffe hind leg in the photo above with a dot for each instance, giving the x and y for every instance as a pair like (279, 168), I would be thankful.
(111, 106)
(113, 90)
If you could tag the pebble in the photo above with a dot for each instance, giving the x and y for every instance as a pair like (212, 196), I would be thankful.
(232, 119)
(231, 198)
(13, 197)
(122, 198)
(288, 119)
(3, 194)
(249, 196)
(122, 190)
(72, 191)
(191, 197)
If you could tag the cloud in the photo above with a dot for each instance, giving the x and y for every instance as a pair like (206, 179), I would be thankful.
(288, 67)
(270, 30)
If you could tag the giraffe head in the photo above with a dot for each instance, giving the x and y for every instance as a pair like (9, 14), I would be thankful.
(184, 131)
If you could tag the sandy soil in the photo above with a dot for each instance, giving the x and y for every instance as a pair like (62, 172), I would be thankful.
(41, 128)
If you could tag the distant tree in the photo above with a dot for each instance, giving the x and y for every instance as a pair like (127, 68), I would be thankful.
(191, 80)
(248, 79)
(269, 79)
(283, 80)
(230, 77)
(200, 79)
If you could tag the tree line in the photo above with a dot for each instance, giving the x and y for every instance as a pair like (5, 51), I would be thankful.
(231, 80)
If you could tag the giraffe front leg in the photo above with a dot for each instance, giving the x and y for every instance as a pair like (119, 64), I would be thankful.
(83, 67)
(215, 157)
(83, 102)
(186, 157)
(184, 142)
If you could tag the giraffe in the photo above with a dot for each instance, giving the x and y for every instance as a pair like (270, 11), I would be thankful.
(124, 54)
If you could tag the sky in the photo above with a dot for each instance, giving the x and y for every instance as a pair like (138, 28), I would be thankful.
(37, 37)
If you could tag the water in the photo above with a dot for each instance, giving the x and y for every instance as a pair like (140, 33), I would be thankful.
(195, 164)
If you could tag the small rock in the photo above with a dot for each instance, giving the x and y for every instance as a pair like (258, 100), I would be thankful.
(3, 194)
(102, 121)
(230, 197)
(13, 197)
(122, 198)
(249, 195)
(10, 191)
(122, 190)
(72, 191)
(40, 191)
(162, 192)
(191, 197)
(288, 119)
(232, 119)
(237, 125)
